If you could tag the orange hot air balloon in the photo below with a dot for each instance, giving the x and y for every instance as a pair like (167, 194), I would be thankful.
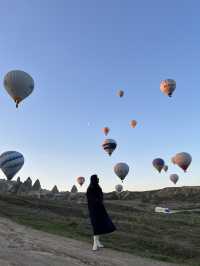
(133, 123)
(183, 160)
(106, 130)
(168, 86)
(120, 93)
(80, 180)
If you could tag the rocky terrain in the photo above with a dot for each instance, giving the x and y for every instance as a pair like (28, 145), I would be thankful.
(169, 195)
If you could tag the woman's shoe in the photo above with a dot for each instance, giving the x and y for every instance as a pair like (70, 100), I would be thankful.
(95, 247)
(99, 245)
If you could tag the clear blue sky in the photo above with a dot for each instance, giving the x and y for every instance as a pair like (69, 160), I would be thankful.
(79, 53)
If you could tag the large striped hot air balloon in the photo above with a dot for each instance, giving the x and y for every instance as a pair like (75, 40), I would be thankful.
(10, 163)
(109, 145)
(19, 85)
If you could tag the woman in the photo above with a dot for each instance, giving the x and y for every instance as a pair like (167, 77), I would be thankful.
(100, 220)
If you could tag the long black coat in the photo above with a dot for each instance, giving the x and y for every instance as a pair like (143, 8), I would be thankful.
(100, 220)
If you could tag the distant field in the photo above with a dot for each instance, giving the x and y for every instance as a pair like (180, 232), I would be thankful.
(174, 238)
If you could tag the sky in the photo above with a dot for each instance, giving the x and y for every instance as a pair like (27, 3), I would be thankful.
(79, 54)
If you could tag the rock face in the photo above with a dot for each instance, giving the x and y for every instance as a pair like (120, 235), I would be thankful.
(8, 186)
(25, 187)
(36, 185)
(55, 190)
(74, 189)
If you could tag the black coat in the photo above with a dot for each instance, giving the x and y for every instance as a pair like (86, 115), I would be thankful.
(100, 220)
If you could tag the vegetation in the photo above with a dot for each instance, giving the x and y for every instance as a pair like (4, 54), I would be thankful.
(174, 237)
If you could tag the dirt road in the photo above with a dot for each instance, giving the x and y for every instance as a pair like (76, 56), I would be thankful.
(22, 246)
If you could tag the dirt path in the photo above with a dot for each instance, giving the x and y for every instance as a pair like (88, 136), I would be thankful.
(22, 246)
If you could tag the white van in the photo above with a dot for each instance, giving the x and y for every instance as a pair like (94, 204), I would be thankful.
(163, 210)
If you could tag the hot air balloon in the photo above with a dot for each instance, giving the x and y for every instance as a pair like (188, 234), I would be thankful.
(118, 188)
(121, 170)
(174, 178)
(168, 86)
(173, 160)
(158, 163)
(19, 85)
(165, 168)
(120, 93)
(11, 162)
(80, 180)
(105, 130)
(109, 145)
(183, 160)
(133, 123)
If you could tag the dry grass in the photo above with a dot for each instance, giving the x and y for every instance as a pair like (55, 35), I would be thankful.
(174, 238)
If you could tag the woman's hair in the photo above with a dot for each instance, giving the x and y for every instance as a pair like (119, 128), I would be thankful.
(94, 180)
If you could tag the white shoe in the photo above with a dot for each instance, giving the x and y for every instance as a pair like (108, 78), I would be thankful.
(95, 247)
(100, 245)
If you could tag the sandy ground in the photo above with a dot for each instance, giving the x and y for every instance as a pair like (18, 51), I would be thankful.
(22, 246)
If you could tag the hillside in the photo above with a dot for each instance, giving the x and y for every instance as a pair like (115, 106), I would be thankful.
(141, 231)
(22, 246)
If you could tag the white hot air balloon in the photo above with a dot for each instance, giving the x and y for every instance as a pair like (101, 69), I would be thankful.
(80, 180)
(121, 170)
(183, 160)
(174, 178)
(168, 86)
(10, 163)
(109, 145)
(19, 85)
(119, 188)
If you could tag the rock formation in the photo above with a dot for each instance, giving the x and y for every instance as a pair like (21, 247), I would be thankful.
(26, 186)
(55, 190)
(74, 189)
(36, 185)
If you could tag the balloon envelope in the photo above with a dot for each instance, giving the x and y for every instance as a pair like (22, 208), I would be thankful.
(11, 162)
(173, 160)
(183, 160)
(121, 170)
(120, 93)
(174, 178)
(118, 188)
(133, 123)
(109, 145)
(105, 130)
(158, 163)
(168, 86)
(80, 180)
(19, 85)
(165, 168)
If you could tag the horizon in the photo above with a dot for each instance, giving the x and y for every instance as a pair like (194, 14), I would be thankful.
(79, 55)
